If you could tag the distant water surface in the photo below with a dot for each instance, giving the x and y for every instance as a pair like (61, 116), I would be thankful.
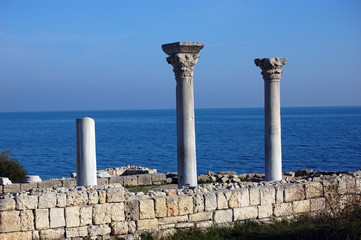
(322, 138)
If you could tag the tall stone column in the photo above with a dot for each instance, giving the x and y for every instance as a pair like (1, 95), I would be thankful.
(271, 71)
(86, 167)
(183, 56)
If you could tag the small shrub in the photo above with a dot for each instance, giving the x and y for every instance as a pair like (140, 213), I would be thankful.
(11, 168)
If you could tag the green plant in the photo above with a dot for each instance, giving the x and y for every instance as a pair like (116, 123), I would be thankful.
(11, 168)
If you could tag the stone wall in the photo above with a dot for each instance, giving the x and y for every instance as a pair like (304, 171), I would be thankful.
(102, 212)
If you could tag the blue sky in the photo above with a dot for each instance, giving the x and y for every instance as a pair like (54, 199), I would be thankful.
(106, 55)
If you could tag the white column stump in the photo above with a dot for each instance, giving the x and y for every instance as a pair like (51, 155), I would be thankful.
(183, 57)
(86, 167)
(271, 71)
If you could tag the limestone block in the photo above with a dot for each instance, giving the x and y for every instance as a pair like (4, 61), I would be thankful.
(26, 202)
(102, 213)
(294, 192)
(116, 180)
(358, 185)
(158, 178)
(204, 224)
(318, 204)
(47, 200)
(68, 183)
(313, 190)
(223, 216)
(118, 212)
(282, 209)
(28, 186)
(10, 188)
(196, 217)
(146, 209)
(245, 213)
(160, 205)
(27, 220)
(41, 219)
(198, 201)
(185, 205)
(7, 204)
(279, 194)
(36, 234)
(52, 233)
(342, 186)
(76, 198)
(50, 184)
(184, 225)
(166, 226)
(265, 211)
(233, 200)
(86, 215)
(76, 232)
(210, 202)
(132, 227)
(119, 228)
(102, 196)
(102, 181)
(144, 179)
(351, 185)
(61, 199)
(130, 180)
(301, 206)
(72, 216)
(131, 210)
(268, 195)
(99, 230)
(254, 196)
(115, 195)
(172, 206)
(222, 202)
(171, 220)
(10, 221)
(147, 224)
(15, 235)
(57, 218)
(93, 198)
(243, 197)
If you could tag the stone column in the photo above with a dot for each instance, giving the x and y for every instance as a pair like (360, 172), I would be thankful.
(183, 56)
(271, 71)
(86, 166)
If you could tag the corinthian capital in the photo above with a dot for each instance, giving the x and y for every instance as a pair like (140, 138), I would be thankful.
(271, 67)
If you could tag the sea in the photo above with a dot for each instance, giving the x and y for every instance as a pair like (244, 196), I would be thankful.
(321, 138)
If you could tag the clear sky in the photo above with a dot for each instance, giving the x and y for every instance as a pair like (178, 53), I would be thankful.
(106, 55)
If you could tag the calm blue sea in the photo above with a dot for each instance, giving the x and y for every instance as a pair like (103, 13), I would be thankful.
(322, 138)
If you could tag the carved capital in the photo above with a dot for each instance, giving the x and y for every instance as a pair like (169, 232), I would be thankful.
(271, 67)
(183, 64)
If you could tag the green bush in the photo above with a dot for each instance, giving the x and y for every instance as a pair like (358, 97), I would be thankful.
(11, 168)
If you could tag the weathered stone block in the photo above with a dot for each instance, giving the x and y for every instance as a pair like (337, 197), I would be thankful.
(282, 209)
(28, 186)
(146, 209)
(119, 228)
(172, 206)
(313, 190)
(301, 206)
(102, 181)
(318, 204)
(76, 198)
(171, 220)
(196, 217)
(254, 196)
(184, 225)
(223, 216)
(57, 218)
(50, 184)
(86, 215)
(144, 179)
(115, 195)
(130, 180)
(268, 195)
(198, 201)
(294, 192)
(147, 224)
(27, 220)
(158, 178)
(102, 196)
(358, 185)
(93, 198)
(116, 180)
(10, 188)
(279, 194)
(26, 202)
(118, 212)
(233, 200)
(222, 202)
(10, 221)
(76, 232)
(7, 204)
(16, 235)
(61, 199)
(265, 211)
(342, 186)
(47, 200)
(52, 233)
(243, 197)
(72, 218)
(41, 219)
(102, 213)
(351, 186)
(68, 183)
(245, 213)
(99, 230)
(131, 210)
(204, 224)
(185, 205)
(210, 202)
(132, 227)
(166, 226)
(160, 205)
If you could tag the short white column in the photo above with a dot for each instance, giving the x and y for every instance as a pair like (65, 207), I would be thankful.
(271, 71)
(183, 57)
(86, 167)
